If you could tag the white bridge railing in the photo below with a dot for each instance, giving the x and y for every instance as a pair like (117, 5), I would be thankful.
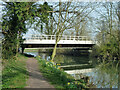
(63, 37)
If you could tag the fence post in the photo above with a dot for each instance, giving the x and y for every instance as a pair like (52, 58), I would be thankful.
(74, 38)
(50, 37)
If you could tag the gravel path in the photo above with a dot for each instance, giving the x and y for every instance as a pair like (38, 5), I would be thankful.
(36, 80)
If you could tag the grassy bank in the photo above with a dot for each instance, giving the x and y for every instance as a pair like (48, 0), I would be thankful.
(14, 74)
(58, 77)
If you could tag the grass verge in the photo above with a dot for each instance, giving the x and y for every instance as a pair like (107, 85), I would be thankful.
(58, 77)
(14, 74)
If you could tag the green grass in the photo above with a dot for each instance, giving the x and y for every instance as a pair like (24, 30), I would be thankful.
(58, 77)
(14, 74)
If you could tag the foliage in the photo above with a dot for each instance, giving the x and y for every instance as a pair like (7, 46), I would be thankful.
(14, 74)
(41, 18)
(108, 51)
(15, 18)
(57, 76)
(108, 46)
(13, 26)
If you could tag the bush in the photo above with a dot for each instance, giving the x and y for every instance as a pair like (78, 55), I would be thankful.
(108, 51)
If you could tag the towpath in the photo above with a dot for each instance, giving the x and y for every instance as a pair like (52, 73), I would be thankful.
(36, 80)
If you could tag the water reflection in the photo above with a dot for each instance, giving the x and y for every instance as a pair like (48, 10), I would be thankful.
(103, 76)
(66, 59)
(107, 75)
(71, 60)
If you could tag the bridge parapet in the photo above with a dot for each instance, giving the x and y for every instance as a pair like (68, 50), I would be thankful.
(63, 37)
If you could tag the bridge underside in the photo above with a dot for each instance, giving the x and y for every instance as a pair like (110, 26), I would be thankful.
(81, 46)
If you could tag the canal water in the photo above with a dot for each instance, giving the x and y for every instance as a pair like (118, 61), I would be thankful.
(77, 65)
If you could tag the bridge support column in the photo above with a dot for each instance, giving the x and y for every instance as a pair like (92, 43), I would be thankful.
(23, 50)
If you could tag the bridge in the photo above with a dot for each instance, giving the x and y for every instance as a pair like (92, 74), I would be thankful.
(48, 41)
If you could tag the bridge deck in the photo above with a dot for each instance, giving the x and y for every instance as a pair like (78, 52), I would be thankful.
(53, 42)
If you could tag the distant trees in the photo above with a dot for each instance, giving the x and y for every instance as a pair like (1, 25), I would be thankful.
(82, 28)
(108, 32)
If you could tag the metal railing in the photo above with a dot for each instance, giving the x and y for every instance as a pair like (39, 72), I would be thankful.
(63, 37)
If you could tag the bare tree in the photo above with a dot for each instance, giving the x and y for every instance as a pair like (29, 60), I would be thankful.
(66, 17)
(107, 22)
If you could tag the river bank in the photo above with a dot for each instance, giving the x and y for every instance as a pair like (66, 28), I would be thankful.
(103, 75)
(100, 74)
(14, 74)
(59, 78)
(20, 72)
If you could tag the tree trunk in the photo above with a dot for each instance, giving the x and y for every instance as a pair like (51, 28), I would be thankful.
(23, 50)
(54, 52)
(77, 32)
(57, 34)
(17, 46)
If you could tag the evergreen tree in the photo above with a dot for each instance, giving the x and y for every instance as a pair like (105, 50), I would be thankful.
(15, 18)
